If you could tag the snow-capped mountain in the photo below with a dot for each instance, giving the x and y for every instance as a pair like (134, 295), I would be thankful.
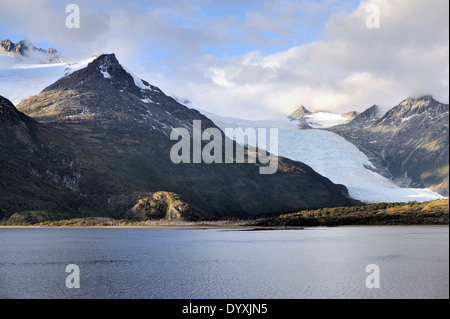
(306, 119)
(334, 157)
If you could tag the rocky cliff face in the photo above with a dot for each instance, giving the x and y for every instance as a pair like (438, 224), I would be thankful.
(101, 133)
(409, 144)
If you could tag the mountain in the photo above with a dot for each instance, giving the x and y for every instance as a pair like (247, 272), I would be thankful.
(35, 170)
(307, 120)
(365, 118)
(350, 115)
(333, 157)
(409, 144)
(97, 144)
(25, 51)
(300, 112)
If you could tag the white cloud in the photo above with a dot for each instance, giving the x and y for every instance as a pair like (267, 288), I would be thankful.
(350, 68)
(341, 67)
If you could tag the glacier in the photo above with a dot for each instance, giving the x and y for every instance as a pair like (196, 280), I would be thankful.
(21, 80)
(333, 157)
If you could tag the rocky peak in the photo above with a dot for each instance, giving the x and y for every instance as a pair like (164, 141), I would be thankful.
(414, 107)
(8, 111)
(23, 46)
(13, 125)
(24, 50)
(418, 104)
(413, 100)
(372, 114)
(106, 93)
(111, 70)
(106, 69)
(300, 112)
(7, 45)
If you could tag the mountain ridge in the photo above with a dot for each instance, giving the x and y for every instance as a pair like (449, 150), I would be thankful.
(408, 144)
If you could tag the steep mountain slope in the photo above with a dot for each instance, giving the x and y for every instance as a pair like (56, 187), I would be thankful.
(111, 131)
(36, 170)
(300, 112)
(409, 144)
(332, 156)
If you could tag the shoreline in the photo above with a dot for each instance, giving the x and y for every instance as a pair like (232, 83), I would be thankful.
(206, 227)
(434, 213)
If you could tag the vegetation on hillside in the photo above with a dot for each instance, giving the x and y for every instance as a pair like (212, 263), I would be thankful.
(412, 213)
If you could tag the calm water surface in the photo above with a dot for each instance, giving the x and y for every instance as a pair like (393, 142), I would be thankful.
(193, 264)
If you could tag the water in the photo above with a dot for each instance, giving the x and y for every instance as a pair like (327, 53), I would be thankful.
(197, 264)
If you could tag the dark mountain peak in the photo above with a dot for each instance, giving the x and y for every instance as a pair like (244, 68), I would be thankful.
(109, 67)
(370, 115)
(13, 126)
(373, 110)
(111, 70)
(8, 111)
(417, 101)
(412, 107)
(300, 112)
(424, 98)
(5, 103)
(6, 45)
(106, 59)
(107, 93)
(100, 74)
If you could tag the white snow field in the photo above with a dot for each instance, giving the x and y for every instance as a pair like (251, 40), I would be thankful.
(20, 80)
(325, 119)
(333, 157)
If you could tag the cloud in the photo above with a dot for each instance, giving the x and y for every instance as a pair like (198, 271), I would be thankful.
(350, 68)
(46, 20)
(258, 59)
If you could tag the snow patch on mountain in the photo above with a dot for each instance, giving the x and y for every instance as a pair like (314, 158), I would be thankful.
(137, 80)
(104, 72)
(325, 119)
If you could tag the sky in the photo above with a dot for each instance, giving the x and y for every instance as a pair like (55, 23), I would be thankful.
(256, 59)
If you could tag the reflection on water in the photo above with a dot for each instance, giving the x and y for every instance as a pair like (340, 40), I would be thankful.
(188, 264)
